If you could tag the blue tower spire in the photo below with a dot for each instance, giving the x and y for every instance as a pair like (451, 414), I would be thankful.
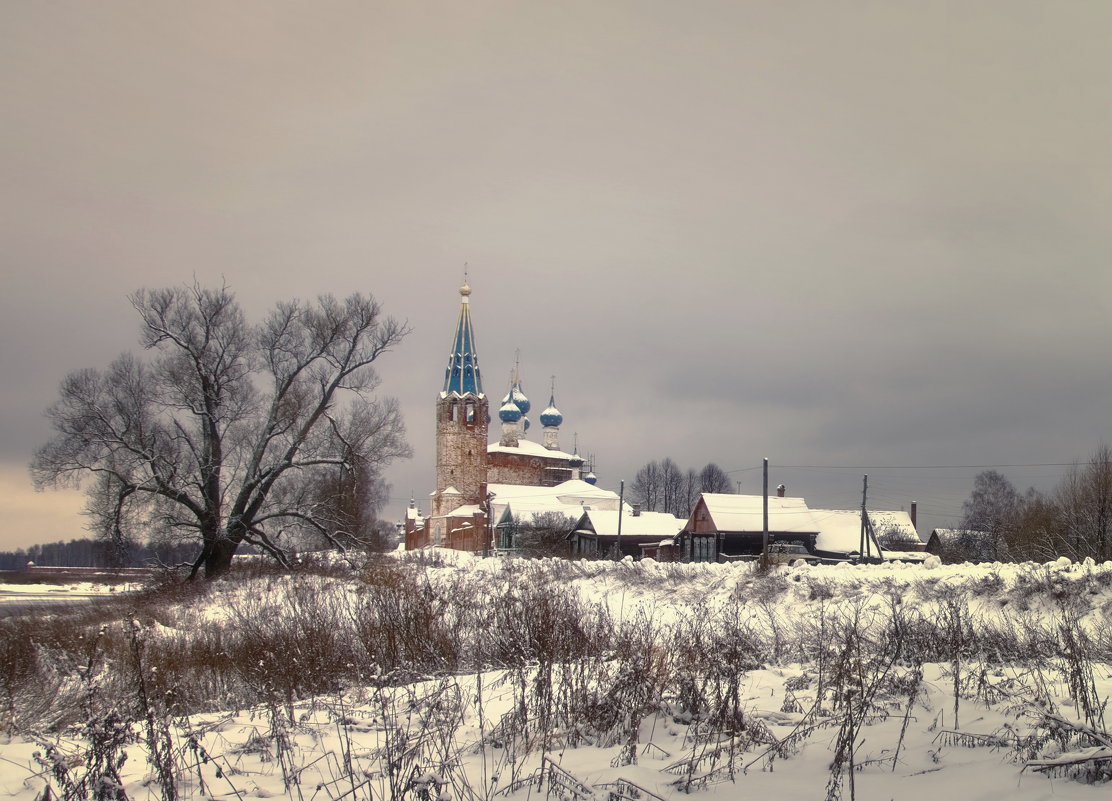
(462, 375)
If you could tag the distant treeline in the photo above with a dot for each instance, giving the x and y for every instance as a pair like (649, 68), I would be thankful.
(94, 553)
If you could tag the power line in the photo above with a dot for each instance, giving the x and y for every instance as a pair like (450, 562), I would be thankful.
(904, 467)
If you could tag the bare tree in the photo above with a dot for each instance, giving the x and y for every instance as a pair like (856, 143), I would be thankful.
(1038, 533)
(227, 432)
(348, 500)
(543, 534)
(1085, 504)
(689, 495)
(672, 492)
(992, 508)
(713, 478)
(645, 488)
(664, 487)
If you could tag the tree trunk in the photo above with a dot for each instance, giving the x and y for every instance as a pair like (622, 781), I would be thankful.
(217, 558)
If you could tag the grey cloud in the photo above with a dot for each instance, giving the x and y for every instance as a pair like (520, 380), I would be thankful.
(828, 231)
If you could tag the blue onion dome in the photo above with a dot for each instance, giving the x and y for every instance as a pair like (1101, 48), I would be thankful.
(551, 416)
(509, 413)
(520, 399)
(525, 420)
(590, 478)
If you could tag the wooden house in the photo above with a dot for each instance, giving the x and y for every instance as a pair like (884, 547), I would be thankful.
(723, 525)
(651, 534)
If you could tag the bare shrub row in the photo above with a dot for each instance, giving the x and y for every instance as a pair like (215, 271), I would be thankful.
(280, 639)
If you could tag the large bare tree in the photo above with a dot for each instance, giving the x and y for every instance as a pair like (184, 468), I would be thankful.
(231, 432)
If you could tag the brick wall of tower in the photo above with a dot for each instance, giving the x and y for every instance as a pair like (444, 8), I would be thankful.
(461, 437)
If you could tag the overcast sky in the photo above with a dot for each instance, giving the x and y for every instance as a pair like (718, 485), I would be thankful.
(853, 237)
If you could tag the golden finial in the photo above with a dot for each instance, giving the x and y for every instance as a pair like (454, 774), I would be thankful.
(465, 290)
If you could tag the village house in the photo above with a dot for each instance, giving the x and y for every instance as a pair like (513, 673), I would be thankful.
(726, 526)
(953, 545)
(642, 534)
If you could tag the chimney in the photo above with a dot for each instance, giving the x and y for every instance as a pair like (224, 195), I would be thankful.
(636, 510)
(780, 490)
(915, 515)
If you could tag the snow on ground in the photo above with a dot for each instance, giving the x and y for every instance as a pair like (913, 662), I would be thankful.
(72, 591)
(441, 737)
(236, 756)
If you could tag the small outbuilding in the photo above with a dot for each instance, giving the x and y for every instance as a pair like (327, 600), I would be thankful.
(962, 545)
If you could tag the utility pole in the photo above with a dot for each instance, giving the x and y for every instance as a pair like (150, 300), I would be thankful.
(621, 505)
(764, 530)
(489, 533)
(863, 547)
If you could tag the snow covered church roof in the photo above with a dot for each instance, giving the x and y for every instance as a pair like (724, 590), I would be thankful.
(467, 510)
(568, 498)
(526, 447)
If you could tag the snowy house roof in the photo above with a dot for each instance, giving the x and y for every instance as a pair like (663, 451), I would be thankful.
(745, 513)
(840, 531)
(894, 525)
(658, 525)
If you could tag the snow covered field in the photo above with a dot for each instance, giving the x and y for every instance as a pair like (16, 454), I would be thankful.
(79, 590)
(601, 680)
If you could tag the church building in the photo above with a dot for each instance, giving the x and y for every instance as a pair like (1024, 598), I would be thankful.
(475, 480)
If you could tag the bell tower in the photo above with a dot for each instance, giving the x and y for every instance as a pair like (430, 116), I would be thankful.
(462, 418)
